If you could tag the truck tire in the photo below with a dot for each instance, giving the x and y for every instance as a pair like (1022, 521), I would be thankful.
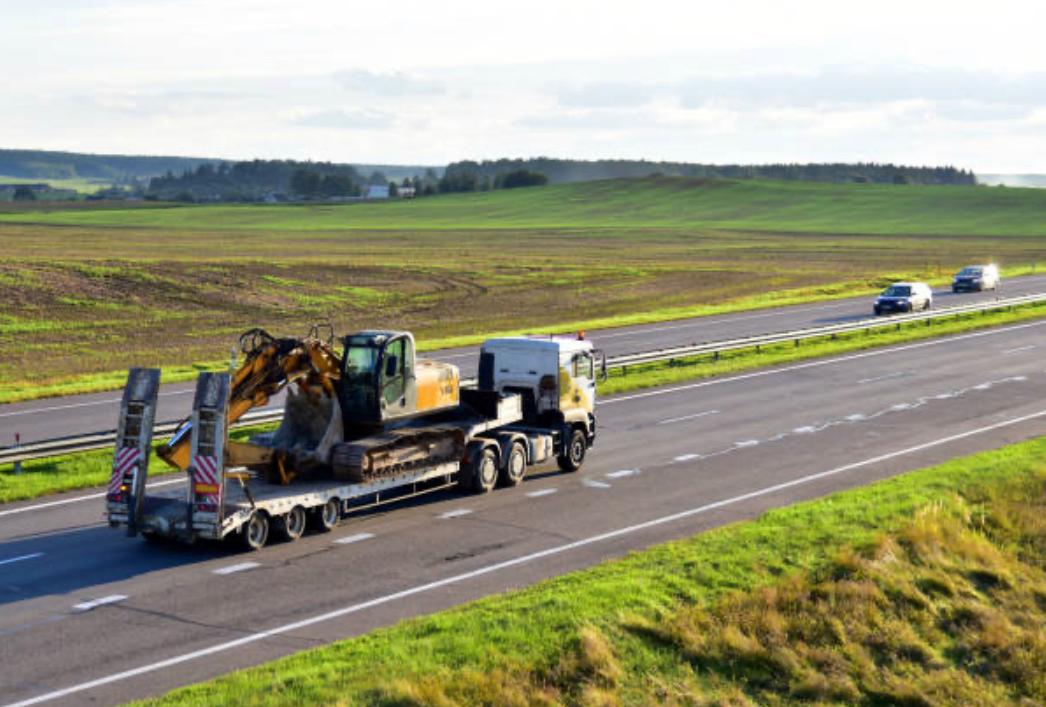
(483, 471)
(515, 466)
(574, 453)
(255, 532)
(326, 517)
(292, 525)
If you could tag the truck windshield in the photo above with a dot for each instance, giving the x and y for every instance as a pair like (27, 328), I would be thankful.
(898, 291)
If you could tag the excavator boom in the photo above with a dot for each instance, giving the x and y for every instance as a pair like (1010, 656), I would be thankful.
(270, 365)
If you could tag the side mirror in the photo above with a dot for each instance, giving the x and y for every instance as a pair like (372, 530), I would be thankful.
(602, 364)
(391, 364)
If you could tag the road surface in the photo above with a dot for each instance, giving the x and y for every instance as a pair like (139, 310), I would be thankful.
(83, 604)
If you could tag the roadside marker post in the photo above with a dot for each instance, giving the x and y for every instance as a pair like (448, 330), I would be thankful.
(18, 443)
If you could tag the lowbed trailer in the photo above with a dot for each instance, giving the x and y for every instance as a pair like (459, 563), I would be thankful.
(499, 444)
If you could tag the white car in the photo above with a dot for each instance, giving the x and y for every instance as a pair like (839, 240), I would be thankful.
(976, 278)
(904, 297)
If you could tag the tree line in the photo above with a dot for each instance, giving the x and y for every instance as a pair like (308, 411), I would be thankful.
(470, 175)
(256, 180)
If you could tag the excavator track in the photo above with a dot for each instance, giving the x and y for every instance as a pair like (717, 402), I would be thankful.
(396, 451)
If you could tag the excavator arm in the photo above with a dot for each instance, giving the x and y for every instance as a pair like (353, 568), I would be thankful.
(270, 364)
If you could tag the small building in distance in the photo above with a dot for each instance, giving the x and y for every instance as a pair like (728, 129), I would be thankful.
(376, 191)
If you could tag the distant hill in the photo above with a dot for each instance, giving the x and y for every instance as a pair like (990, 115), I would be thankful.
(563, 170)
(43, 165)
(1013, 180)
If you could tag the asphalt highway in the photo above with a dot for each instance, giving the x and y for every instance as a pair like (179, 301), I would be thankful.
(80, 414)
(90, 615)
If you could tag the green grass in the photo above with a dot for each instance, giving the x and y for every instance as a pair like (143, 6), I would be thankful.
(81, 185)
(654, 202)
(923, 589)
(70, 472)
(167, 286)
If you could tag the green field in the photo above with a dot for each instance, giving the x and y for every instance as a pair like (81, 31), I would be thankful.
(90, 290)
(81, 185)
(925, 589)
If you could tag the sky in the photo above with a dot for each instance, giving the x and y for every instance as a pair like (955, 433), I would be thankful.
(405, 82)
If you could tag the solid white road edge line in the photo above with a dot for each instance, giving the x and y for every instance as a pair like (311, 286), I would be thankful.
(821, 362)
(236, 568)
(88, 605)
(498, 566)
(31, 556)
(89, 497)
(107, 401)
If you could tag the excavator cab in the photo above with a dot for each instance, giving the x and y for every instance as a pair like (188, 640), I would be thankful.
(381, 381)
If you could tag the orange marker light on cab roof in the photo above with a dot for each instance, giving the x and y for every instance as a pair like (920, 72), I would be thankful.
(581, 335)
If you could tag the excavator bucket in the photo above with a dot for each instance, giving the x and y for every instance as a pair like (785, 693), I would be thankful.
(134, 434)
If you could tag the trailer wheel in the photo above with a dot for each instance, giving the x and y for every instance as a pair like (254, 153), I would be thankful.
(484, 469)
(326, 517)
(574, 454)
(515, 466)
(292, 525)
(255, 532)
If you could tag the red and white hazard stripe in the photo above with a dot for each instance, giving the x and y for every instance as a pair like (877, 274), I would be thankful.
(207, 479)
(126, 459)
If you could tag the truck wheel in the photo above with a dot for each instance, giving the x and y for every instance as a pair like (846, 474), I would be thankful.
(515, 466)
(484, 468)
(574, 454)
(255, 531)
(292, 525)
(327, 517)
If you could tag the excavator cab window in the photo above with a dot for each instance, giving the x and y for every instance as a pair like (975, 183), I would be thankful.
(359, 378)
(394, 379)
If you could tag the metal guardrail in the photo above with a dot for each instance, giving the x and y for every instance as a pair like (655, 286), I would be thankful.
(100, 440)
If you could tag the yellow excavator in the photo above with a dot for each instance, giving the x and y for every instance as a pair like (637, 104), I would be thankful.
(350, 416)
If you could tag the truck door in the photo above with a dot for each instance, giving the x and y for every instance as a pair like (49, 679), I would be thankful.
(585, 380)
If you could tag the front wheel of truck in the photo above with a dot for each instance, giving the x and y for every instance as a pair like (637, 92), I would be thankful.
(574, 454)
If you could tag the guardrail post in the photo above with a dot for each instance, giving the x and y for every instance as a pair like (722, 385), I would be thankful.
(18, 443)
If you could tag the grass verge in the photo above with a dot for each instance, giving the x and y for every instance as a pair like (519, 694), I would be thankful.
(927, 588)
(87, 469)
(70, 472)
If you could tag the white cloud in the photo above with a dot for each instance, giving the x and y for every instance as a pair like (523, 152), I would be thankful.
(417, 82)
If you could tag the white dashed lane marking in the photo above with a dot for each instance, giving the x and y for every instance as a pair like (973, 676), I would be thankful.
(11, 560)
(623, 473)
(231, 569)
(94, 603)
(354, 538)
(688, 417)
(593, 484)
(541, 492)
(456, 514)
